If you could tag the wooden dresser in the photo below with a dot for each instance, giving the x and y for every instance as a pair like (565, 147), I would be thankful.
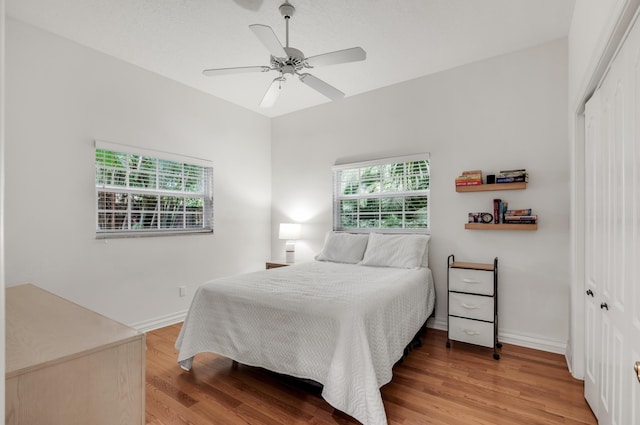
(68, 365)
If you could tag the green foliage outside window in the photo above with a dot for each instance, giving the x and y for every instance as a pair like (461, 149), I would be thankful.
(141, 193)
(394, 195)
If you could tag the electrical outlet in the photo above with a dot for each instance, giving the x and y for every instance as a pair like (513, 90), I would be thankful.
(183, 290)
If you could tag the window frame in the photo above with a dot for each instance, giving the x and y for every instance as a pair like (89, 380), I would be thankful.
(186, 162)
(338, 196)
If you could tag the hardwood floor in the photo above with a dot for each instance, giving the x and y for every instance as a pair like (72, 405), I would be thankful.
(459, 386)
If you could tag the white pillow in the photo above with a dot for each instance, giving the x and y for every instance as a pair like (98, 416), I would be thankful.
(343, 247)
(425, 258)
(402, 251)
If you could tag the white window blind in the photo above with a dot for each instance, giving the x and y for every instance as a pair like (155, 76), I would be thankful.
(143, 193)
(391, 193)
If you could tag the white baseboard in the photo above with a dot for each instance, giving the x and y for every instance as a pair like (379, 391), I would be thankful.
(438, 324)
(159, 322)
(535, 342)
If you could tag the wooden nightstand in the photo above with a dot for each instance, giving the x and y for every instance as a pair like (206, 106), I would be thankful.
(276, 264)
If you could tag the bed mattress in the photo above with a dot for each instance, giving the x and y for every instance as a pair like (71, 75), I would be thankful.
(341, 325)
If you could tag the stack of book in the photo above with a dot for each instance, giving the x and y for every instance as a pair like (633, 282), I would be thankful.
(469, 178)
(512, 176)
(520, 217)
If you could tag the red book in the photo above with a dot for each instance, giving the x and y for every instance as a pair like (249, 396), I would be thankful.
(496, 210)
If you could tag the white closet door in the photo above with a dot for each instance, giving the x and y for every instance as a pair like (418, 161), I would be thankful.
(632, 230)
(593, 254)
(612, 299)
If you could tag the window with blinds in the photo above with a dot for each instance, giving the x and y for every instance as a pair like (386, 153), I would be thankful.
(391, 193)
(145, 193)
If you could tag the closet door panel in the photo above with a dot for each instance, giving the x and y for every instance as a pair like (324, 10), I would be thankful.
(593, 250)
(613, 304)
(632, 225)
(612, 238)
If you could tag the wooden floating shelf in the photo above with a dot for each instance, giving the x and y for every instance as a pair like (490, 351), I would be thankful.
(506, 226)
(492, 187)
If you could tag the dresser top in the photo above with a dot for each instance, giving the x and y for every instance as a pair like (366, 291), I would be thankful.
(43, 328)
(472, 266)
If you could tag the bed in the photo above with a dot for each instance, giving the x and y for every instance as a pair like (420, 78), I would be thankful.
(343, 324)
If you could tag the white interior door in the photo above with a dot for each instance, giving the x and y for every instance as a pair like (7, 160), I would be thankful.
(612, 270)
(632, 230)
(593, 240)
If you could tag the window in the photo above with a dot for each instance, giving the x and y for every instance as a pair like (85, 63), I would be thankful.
(144, 193)
(391, 193)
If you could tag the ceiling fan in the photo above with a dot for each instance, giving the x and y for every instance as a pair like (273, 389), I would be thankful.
(288, 61)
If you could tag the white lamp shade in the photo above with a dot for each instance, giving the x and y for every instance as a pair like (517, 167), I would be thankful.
(289, 231)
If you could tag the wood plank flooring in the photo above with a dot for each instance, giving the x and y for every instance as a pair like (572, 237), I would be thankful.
(434, 385)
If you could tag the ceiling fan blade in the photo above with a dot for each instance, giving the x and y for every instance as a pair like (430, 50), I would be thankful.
(340, 56)
(269, 39)
(321, 87)
(272, 93)
(237, 70)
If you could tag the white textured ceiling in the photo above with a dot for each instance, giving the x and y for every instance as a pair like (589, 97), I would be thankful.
(404, 39)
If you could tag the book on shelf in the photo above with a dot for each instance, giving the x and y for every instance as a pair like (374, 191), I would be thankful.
(472, 173)
(516, 218)
(503, 207)
(468, 183)
(512, 176)
(496, 210)
(513, 172)
(468, 178)
(515, 179)
(526, 211)
(521, 222)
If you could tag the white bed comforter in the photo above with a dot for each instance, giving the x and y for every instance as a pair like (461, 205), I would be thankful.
(342, 325)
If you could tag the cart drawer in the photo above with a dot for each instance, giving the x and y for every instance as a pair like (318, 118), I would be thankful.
(473, 281)
(471, 331)
(471, 306)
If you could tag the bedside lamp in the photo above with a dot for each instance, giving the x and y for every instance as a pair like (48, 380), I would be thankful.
(290, 232)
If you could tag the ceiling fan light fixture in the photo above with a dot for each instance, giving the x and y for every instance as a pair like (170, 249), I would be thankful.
(289, 61)
(287, 70)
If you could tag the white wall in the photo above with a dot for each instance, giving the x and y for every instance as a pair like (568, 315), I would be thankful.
(502, 113)
(60, 97)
